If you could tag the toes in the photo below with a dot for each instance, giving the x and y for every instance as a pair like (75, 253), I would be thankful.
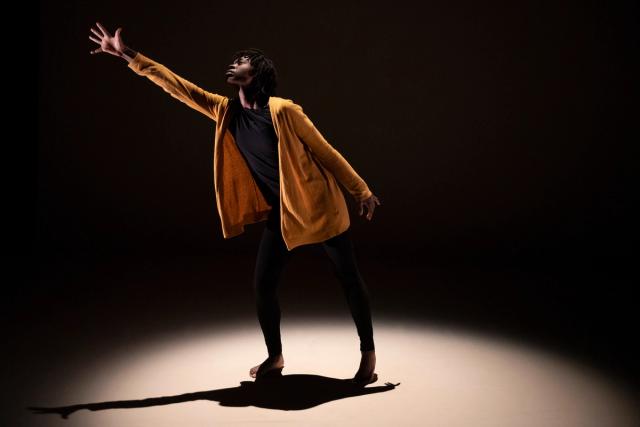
(253, 371)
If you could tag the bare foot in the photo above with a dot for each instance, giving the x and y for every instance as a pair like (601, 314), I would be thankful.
(367, 367)
(269, 364)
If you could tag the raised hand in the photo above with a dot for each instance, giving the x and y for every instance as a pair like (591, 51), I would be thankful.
(108, 43)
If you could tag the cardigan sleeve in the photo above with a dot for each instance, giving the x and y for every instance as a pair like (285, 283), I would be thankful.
(327, 155)
(183, 90)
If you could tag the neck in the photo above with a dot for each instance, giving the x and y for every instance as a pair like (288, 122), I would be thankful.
(247, 99)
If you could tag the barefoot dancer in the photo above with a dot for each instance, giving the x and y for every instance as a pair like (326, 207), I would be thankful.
(271, 164)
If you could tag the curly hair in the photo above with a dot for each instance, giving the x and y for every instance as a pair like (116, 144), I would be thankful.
(263, 72)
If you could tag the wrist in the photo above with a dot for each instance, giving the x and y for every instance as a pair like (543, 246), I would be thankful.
(128, 54)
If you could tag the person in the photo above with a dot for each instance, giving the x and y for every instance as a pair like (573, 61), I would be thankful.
(272, 164)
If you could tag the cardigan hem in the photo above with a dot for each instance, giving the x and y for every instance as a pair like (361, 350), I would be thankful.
(318, 238)
(237, 229)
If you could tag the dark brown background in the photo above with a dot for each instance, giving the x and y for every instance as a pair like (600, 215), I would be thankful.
(483, 129)
(497, 135)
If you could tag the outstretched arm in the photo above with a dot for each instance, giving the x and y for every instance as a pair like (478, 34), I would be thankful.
(178, 87)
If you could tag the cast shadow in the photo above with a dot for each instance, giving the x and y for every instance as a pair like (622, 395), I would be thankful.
(282, 392)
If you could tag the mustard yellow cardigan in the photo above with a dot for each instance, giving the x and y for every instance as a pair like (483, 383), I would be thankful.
(312, 205)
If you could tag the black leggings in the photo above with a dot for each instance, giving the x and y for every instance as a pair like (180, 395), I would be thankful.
(271, 259)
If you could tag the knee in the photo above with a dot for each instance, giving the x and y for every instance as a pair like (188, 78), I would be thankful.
(264, 288)
(348, 276)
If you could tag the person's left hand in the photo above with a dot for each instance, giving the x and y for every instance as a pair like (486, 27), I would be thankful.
(370, 203)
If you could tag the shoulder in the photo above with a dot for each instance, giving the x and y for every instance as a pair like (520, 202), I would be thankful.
(284, 105)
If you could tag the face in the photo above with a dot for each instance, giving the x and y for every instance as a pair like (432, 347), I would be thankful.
(238, 72)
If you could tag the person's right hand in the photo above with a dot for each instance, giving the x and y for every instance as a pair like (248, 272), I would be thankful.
(108, 43)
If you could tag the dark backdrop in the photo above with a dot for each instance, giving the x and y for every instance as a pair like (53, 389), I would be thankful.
(485, 129)
(496, 134)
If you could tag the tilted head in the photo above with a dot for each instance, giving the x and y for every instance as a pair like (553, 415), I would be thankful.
(254, 71)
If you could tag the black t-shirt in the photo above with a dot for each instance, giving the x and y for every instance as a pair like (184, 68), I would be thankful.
(257, 140)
